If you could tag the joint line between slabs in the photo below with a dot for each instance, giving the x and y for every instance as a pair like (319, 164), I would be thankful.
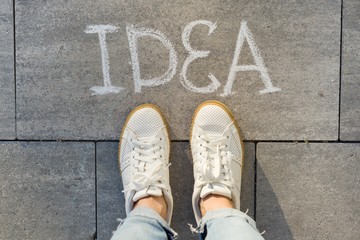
(255, 181)
(180, 141)
(14, 59)
(95, 174)
(340, 67)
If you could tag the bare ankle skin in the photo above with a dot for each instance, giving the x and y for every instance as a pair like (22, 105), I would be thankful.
(213, 202)
(156, 203)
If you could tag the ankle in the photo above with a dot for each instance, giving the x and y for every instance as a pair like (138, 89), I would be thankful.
(213, 202)
(158, 204)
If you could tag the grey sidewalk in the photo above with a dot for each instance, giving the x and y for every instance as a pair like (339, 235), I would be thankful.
(71, 71)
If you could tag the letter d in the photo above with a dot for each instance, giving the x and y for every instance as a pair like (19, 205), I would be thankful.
(133, 35)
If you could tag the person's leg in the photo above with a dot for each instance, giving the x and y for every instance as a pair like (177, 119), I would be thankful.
(221, 221)
(143, 223)
(217, 151)
(144, 160)
(228, 223)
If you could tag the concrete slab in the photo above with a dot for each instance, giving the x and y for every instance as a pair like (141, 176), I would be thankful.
(60, 65)
(305, 190)
(110, 200)
(47, 190)
(350, 74)
(7, 84)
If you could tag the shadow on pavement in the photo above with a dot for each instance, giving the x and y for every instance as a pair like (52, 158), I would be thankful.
(269, 215)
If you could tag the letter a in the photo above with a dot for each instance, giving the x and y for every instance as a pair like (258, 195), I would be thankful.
(133, 35)
(245, 34)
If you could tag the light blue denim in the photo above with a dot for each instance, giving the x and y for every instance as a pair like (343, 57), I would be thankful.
(229, 224)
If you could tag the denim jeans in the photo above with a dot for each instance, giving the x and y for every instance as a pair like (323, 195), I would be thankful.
(145, 223)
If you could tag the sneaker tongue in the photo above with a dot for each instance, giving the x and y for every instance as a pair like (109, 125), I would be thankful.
(215, 188)
(150, 191)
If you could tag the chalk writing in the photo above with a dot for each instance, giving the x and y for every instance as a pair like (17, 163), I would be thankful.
(245, 34)
(135, 33)
(101, 30)
(194, 54)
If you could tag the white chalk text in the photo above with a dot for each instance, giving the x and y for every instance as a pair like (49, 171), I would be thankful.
(135, 33)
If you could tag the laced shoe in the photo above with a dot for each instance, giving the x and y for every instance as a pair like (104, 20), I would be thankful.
(217, 151)
(144, 150)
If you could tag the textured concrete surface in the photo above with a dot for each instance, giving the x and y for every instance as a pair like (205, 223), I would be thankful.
(58, 63)
(47, 190)
(110, 200)
(350, 76)
(308, 191)
(7, 85)
(304, 191)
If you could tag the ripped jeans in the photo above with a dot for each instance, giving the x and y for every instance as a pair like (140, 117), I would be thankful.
(145, 223)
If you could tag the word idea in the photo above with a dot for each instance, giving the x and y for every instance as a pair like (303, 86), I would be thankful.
(135, 33)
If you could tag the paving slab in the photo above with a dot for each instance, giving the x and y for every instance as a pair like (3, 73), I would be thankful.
(110, 200)
(77, 61)
(47, 190)
(308, 191)
(7, 84)
(350, 74)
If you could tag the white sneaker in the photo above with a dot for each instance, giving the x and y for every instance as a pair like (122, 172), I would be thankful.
(144, 150)
(217, 151)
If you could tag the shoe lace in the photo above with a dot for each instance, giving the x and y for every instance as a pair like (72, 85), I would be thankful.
(147, 163)
(216, 160)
